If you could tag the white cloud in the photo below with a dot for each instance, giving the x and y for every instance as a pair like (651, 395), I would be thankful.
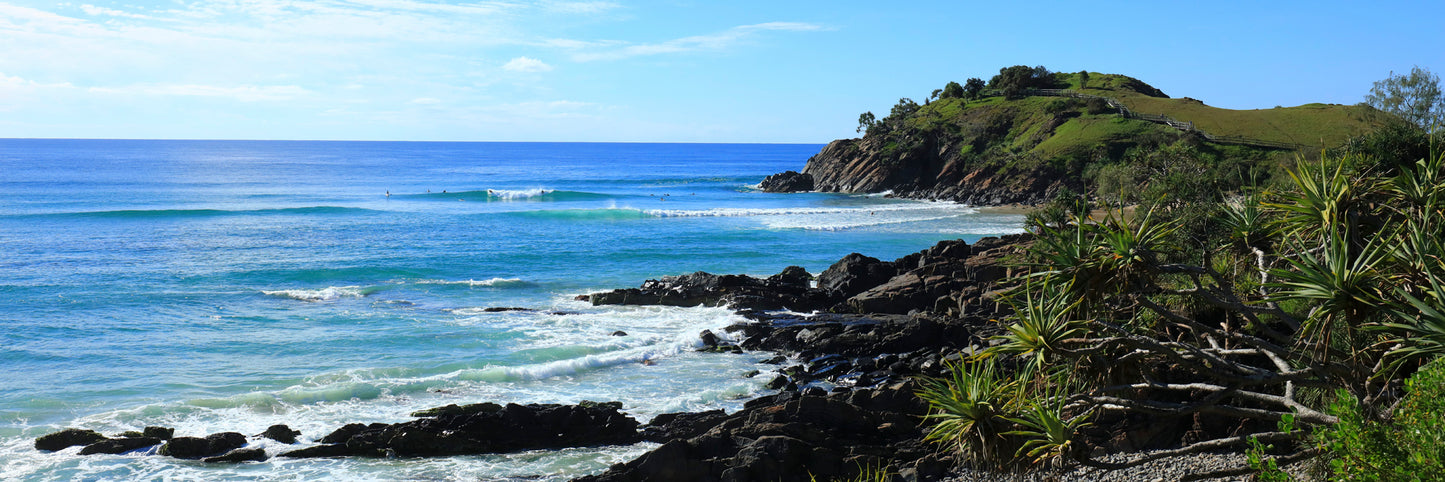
(526, 64)
(712, 42)
(578, 7)
(244, 93)
(93, 10)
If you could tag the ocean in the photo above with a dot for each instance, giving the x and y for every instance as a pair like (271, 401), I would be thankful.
(216, 286)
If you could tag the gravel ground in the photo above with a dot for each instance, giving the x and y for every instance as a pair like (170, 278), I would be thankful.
(1163, 470)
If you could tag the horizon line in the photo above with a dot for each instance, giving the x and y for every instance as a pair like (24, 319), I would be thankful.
(385, 140)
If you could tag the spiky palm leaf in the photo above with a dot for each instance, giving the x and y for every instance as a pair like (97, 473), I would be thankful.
(967, 409)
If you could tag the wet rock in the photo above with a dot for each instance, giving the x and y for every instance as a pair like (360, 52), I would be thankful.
(501, 309)
(281, 433)
(675, 426)
(787, 181)
(69, 437)
(484, 428)
(196, 447)
(163, 433)
(789, 437)
(119, 445)
(239, 455)
(317, 451)
(786, 290)
(619, 333)
(709, 339)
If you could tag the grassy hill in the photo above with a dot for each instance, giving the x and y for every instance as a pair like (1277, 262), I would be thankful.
(1319, 125)
(992, 149)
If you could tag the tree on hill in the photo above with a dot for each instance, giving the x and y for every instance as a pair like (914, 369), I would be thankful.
(866, 121)
(1013, 80)
(972, 88)
(1083, 79)
(904, 108)
(1415, 97)
(952, 90)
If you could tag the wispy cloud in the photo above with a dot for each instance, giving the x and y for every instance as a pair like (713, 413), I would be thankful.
(102, 11)
(526, 64)
(711, 42)
(244, 93)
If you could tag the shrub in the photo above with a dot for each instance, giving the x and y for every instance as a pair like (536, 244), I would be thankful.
(1411, 447)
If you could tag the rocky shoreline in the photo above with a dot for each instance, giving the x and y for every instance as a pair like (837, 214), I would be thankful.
(846, 380)
(847, 399)
(846, 391)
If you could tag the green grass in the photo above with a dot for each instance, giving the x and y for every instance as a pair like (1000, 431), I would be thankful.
(1092, 130)
(1314, 124)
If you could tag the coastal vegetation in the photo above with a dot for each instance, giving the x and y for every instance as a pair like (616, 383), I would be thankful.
(1028, 133)
(1292, 307)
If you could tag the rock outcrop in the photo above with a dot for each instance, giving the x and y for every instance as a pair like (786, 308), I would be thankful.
(935, 169)
(787, 181)
(786, 290)
(480, 429)
(847, 399)
(793, 436)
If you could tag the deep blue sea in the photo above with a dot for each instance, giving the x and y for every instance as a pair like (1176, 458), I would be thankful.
(220, 286)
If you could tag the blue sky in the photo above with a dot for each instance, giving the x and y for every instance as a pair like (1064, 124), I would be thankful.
(665, 71)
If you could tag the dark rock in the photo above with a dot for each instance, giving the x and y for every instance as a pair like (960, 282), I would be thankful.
(854, 274)
(195, 447)
(119, 445)
(281, 433)
(792, 277)
(340, 435)
(69, 437)
(619, 333)
(788, 289)
(239, 455)
(778, 382)
(789, 437)
(484, 428)
(500, 309)
(787, 181)
(677, 426)
(163, 433)
(708, 338)
(328, 450)
(453, 410)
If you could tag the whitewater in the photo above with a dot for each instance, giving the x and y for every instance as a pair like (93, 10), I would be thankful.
(217, 286)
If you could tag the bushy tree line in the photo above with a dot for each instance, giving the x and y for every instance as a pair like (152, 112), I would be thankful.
(1313, 302)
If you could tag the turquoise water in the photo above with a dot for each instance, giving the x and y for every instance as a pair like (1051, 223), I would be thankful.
(227, 286)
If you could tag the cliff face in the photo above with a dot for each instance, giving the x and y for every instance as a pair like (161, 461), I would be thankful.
(938, 169)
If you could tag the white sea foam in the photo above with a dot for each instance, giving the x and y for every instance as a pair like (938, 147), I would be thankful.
(493, 282)
(325, 294)
(955, 209)
(835, 218)
(513, 195)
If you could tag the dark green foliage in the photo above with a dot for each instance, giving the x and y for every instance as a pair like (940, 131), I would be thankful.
(1097, 106)
(1392, 146)
(952, 91)
(1409, 447)
(866, 122)
(1083, 79)
(1012, 81)
(973, 88)
(904, 108)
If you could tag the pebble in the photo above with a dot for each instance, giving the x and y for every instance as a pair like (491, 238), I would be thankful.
(1162, 470)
